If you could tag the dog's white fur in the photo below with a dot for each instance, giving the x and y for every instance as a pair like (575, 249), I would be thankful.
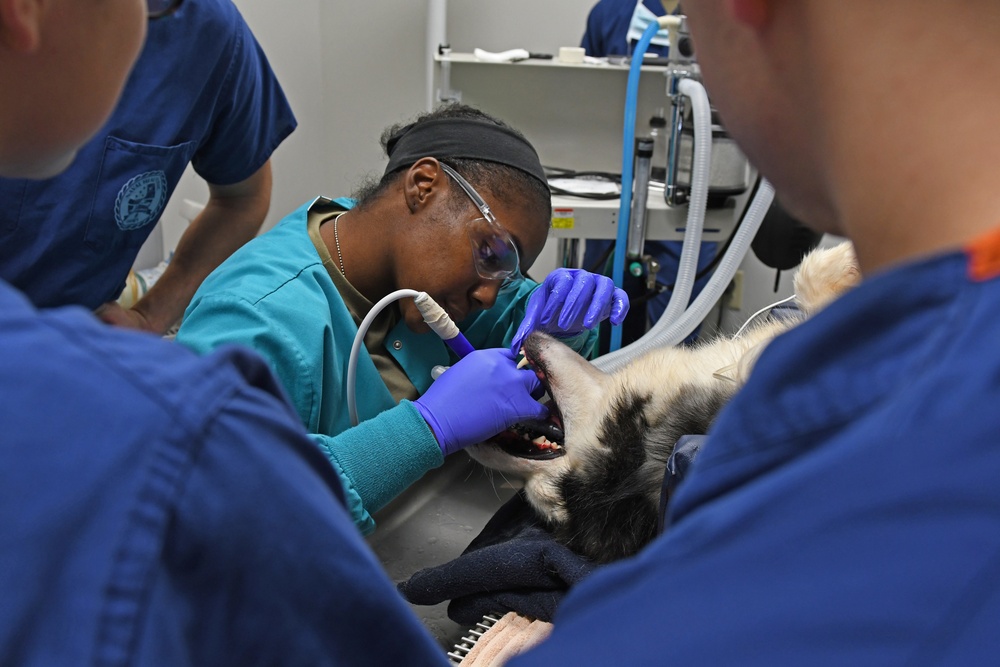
(668, 380)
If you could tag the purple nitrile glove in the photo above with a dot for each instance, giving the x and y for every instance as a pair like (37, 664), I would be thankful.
(481, 395)
(571, 301)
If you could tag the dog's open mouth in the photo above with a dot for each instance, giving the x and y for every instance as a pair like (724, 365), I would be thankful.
(538, 440)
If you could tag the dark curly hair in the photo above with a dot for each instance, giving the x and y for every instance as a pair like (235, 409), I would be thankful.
(502, 181)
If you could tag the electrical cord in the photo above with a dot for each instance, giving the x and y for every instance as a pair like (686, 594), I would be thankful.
(560, 172)
(765, 308)
(601, 264)
(582, 195)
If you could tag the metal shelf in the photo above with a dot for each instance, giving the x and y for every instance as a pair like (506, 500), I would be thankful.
(576, 218)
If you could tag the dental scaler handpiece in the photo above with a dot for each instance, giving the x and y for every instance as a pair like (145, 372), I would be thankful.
(447, 330)
(442, 325)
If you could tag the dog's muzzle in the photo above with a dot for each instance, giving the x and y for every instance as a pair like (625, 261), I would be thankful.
(539, 440)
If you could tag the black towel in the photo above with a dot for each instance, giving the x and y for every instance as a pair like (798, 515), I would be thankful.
(514, 564)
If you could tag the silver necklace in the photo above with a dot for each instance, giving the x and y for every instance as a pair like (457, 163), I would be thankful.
(336, 240)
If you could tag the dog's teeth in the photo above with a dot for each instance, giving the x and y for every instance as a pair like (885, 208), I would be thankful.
(544, 443)
(524, 362)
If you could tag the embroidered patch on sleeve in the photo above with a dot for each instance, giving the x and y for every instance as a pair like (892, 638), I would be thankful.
(984, 256)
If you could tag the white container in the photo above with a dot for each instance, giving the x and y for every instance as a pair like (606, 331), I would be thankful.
(571, 54)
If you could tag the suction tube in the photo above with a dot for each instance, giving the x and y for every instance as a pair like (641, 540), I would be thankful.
(666, 334)
(433, 315)
(628, 145)
(359, 340)
(697, 204)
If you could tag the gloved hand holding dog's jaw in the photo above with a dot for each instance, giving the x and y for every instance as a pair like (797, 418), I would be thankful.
(481, 395)
(570, 301)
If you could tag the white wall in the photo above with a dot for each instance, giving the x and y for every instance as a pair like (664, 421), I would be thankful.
(350, 69)
(525, 24)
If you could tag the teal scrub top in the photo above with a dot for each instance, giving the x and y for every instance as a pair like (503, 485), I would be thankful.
(276, 296)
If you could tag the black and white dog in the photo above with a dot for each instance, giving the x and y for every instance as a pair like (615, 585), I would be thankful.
(596, 475)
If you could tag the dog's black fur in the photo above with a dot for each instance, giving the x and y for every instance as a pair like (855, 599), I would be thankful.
(599, 491)
(610, 512)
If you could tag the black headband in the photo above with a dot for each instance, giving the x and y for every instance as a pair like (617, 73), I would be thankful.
(463, 138)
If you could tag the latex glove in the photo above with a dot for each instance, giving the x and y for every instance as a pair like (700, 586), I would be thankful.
(571, 301)
(481, 395)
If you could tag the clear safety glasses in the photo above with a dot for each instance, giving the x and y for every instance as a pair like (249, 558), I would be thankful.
(157, 9)
(493, 249)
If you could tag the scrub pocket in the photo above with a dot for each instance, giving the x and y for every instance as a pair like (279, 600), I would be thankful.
(133, 187)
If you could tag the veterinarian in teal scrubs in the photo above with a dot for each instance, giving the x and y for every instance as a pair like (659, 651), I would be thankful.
(297, 294)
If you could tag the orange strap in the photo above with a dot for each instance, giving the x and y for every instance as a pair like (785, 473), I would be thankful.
(984, 256)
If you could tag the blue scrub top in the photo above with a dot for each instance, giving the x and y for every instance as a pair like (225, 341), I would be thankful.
(203, 93)
(845, 508)
(161, 508)
(607, 28)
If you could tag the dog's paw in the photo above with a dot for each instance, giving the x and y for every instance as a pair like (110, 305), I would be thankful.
(825, 274)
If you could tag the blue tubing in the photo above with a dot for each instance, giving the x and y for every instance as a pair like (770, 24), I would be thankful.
(628, 148)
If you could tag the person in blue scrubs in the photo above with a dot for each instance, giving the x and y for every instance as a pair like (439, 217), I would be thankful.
(201, 93)
(615, 26)
(298, 293)
(613, 29)
(156, 508)
(845, 509)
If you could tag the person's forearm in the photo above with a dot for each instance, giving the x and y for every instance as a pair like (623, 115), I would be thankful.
(381, 457)
(226, 223)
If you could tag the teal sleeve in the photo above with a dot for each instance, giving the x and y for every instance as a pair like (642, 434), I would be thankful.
(496, 327)
(372, 465)
(375, 460)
